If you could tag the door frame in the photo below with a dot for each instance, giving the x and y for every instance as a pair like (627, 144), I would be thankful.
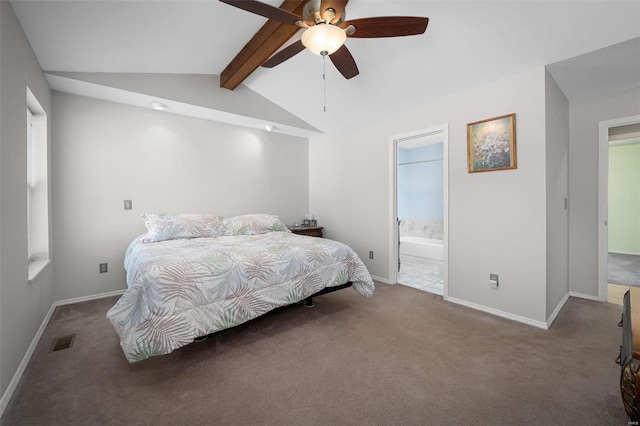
(393, 202)
(603, 200)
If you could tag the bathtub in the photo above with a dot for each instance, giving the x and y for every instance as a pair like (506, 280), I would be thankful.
(422, 247)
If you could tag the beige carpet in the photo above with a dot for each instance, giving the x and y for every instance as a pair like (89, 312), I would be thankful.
(404, 357)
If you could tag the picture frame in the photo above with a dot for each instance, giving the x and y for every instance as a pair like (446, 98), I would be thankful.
(491, 144)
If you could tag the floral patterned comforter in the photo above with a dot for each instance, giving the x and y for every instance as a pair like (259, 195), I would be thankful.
(182, 289)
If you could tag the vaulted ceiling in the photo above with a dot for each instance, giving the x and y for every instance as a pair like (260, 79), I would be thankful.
(467, 43)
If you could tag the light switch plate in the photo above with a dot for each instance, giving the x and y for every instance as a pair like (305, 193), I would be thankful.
(493, 280)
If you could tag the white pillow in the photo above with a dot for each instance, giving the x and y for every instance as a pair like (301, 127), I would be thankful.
(171, 226)
(250, 224)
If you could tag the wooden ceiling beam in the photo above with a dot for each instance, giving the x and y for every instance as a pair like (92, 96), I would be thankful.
(262, 45)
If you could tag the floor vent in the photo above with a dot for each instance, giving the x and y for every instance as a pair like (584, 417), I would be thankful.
(64, 342)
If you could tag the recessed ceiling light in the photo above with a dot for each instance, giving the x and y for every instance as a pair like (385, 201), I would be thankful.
(158, 105)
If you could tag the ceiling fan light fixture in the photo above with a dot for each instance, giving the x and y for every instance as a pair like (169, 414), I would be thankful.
(323, 38)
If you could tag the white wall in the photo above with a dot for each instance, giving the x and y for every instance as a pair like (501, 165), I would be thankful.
(23, 305)
(105, 153)
(557, 161)
(497, 220)
(584, 116)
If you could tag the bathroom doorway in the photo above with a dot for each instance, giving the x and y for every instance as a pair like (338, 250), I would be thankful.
(420, 209)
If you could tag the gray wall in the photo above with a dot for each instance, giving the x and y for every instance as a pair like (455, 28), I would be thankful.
(557, 162)
(497, 220)
(23, 304)
(107, 152)
(585, 116)
(2, 387)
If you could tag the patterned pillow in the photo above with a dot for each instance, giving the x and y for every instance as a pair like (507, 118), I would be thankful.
(172, 226)
(250, 224)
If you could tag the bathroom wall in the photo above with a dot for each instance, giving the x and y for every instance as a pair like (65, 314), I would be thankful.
(421, 191)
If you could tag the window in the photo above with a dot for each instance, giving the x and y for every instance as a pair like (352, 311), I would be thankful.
(30, 179)
(37, 187)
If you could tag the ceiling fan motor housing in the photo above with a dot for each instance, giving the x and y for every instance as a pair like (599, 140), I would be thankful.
(311, 12)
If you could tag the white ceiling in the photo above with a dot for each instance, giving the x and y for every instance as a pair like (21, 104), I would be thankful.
(466, 44)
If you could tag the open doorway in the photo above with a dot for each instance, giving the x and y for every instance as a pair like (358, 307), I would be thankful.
(619, 214)
(420, 225)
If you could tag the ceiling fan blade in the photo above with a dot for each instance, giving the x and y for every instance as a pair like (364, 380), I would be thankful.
(337, 5)
(265, 10)
(286, 53)
(344, 62)
(387, 26)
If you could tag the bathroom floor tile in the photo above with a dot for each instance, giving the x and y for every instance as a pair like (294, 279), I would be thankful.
(423, 274)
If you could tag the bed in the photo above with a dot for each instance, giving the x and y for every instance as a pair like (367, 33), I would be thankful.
(219, 274)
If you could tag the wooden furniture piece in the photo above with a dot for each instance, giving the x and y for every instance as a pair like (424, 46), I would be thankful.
(310, 231)
(629, 358)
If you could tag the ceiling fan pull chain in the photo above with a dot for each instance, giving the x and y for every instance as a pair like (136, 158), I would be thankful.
(324, 80)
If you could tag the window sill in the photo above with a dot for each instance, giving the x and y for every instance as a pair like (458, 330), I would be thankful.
(36, 267)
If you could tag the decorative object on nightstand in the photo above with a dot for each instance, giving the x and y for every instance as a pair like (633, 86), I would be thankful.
(310, 231)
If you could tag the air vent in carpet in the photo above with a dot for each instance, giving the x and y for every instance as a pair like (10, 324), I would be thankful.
(64, 342)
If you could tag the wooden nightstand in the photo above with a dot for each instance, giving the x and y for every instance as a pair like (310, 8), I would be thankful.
(310, 231)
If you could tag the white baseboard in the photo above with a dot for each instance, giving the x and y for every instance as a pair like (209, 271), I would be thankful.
(87, 298)
(624, 252)
(584, 296)
(13, 384)
(382, 280)
(557, 310)
(497, 312)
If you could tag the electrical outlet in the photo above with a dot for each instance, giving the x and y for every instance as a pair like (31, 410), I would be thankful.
(370, 254)
(493, 280)
(128, 205)
(103, 268)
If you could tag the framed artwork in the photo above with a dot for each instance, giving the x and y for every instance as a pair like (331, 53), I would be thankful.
(491, 144)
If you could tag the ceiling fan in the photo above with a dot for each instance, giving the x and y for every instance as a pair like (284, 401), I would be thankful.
(326, 30)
